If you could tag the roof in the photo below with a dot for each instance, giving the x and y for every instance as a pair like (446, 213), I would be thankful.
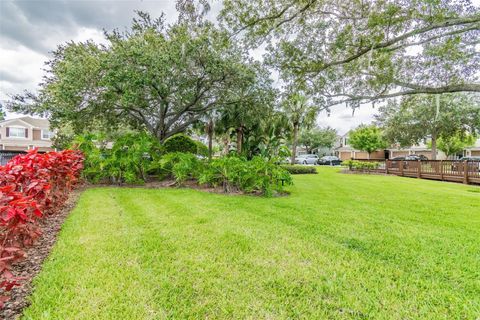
(34, 122)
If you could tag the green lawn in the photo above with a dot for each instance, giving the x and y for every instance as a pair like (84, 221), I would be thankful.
(339, 247)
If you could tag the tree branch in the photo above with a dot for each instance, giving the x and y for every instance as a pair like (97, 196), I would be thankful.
(413, 89)
(444, 24)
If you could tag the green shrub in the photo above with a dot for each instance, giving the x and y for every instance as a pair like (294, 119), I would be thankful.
(223, 171)
(94, 159)
(234, 173)
(361, 165)
(182, 166)
(297, 169)
(202, 149)
(180, 143)
(129, 159)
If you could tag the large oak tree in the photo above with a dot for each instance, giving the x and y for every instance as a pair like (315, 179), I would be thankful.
(161, 78)
(360, 51)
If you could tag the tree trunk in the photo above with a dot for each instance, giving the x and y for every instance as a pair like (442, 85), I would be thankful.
(434, 147)
(294, 143)
(368, 155)
(210, 139)
(226, 142)
(239, 140)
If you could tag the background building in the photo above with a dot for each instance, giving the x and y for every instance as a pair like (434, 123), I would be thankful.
(25, 133)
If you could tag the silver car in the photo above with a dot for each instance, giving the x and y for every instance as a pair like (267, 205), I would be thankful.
(306, 159)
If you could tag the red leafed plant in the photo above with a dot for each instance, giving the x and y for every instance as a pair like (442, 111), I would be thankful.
(31, 185)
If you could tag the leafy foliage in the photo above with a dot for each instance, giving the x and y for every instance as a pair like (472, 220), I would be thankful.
(235, 173)
(300, 114)
(318, 138)
(358, 51)
(182, 166)
(129, 159)
(455, 144)
(367, 138)
(298, 169)
(418, 117)
(361, 165)
(152, 77)
(31, 186)
(180, 143)
(202, 149)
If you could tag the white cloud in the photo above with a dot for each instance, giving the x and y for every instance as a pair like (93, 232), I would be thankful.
(21, 69)
(343, 119)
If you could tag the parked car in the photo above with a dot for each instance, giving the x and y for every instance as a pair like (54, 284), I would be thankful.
(470, 159)
(473, 164)
(306, 159)
(416, 157)
(329, 160)
(395, 162)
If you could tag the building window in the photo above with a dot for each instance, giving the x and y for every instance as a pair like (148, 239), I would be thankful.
(17, 132)
(47, 134)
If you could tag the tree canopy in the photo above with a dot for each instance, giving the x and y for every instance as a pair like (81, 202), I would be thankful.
(317, 138)
(367, 138)
(360, 51)
(455, 144)
(417, 118)
(161, 78)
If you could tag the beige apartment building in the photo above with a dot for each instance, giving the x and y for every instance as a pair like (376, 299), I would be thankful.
(25, 133)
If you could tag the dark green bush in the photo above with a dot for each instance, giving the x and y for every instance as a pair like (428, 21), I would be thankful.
(296, 169)
(202, 149)
(180, 143)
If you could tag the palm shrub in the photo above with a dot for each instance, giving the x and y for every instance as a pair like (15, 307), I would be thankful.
(264, 176)
(129, 159)
(223, 171)
(235, 173)
(182, 166)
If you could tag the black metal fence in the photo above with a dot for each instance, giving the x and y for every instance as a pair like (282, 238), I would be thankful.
(6, 156)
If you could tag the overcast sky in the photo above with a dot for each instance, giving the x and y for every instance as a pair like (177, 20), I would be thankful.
(30, 30)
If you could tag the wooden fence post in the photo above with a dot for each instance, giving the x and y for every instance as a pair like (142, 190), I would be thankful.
(419, 169)
(386, 166)
(441, 170)
(465, 171)
(400, 167)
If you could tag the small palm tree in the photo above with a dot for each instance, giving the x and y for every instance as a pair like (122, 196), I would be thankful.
(300, 113)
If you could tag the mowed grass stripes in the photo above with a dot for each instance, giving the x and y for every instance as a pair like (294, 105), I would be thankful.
(339, 247)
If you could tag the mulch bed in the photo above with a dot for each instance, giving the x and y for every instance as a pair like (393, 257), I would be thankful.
(32, 264)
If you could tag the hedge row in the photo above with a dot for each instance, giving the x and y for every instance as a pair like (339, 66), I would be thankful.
(31, 186)
(297, 169)
(361, 165)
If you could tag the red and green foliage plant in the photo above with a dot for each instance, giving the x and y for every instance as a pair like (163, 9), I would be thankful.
(31, 185)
